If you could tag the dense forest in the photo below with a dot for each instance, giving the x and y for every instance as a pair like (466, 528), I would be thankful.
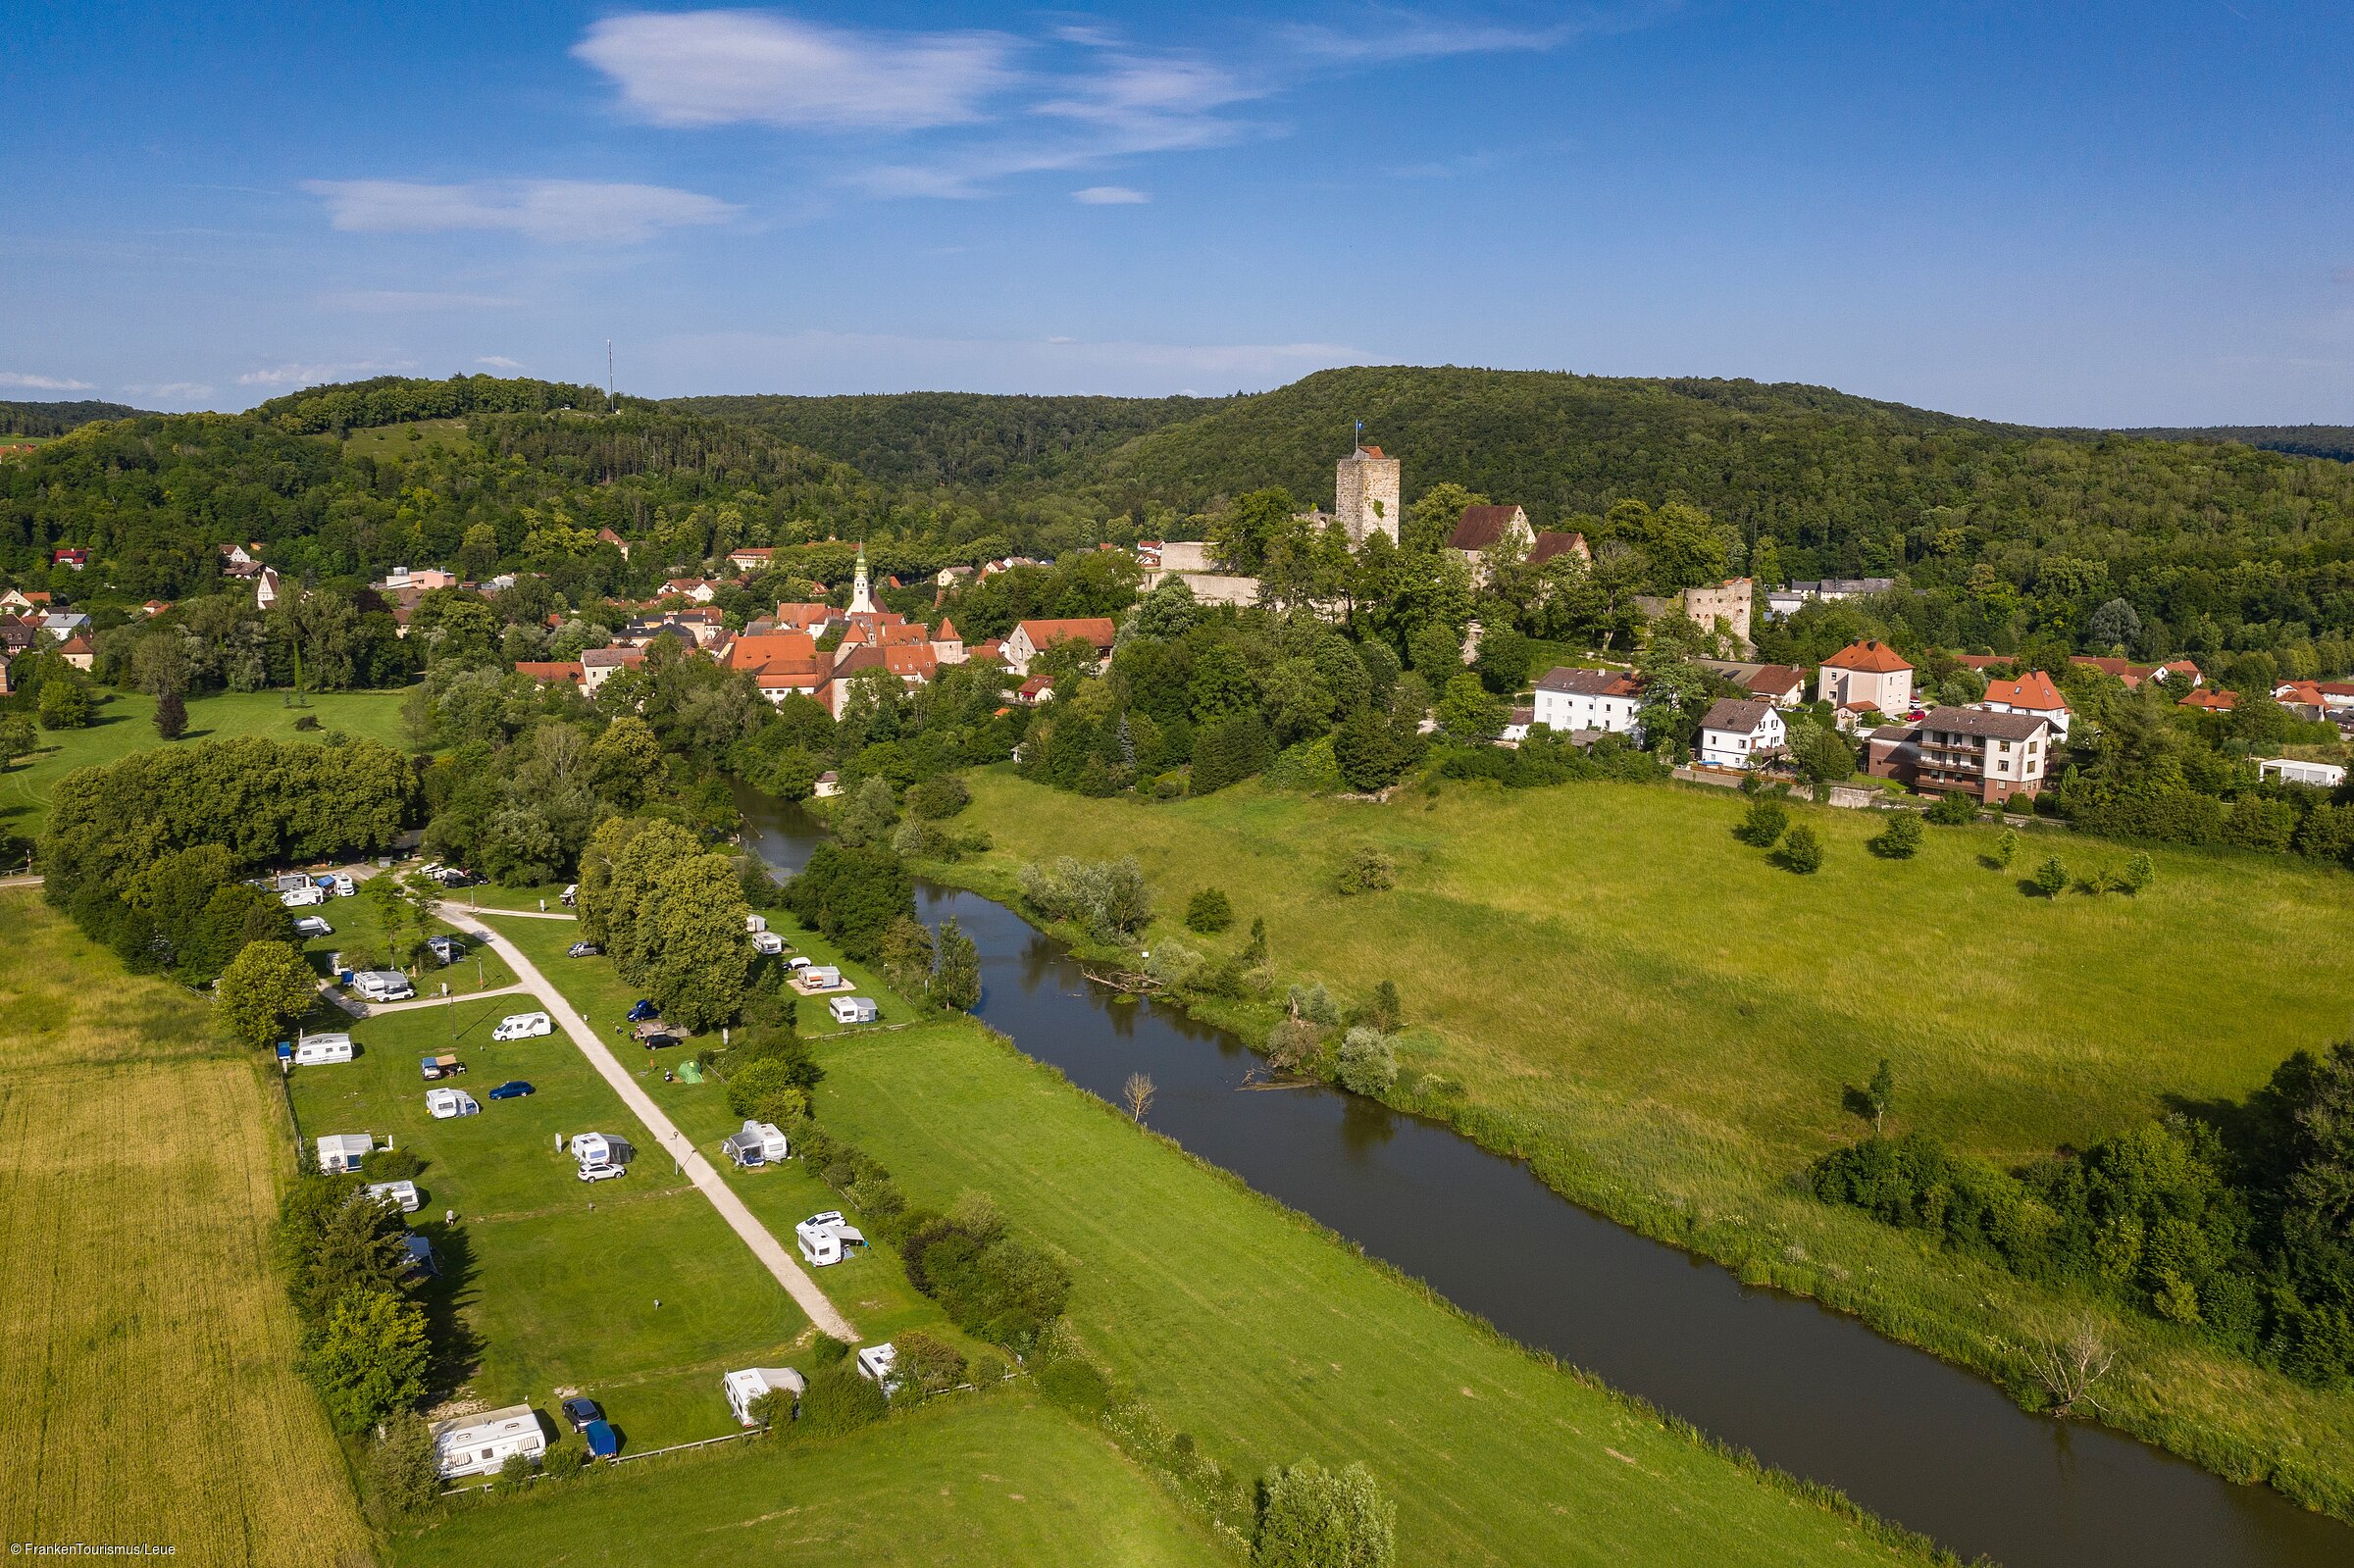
(56, 419)
(397, 399)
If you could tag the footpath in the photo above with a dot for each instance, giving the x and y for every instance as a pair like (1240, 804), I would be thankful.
(779, 1261)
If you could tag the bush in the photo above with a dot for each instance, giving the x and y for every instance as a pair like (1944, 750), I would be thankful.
(927, 1365)
(171, 716)
(1367, 871)
(1209, 912)
(938, 797)
(1310, 1517)
(839, 1400)
(771, 1412)
(1802, 851)
(826, 1350)
(1900, 840)
(1368, 1063)
(1954, 811)
(513, 1476)
(1764, 821)
(564, 1461)
(1076, 1384)
(394, 1165)
(764, 1091)
(1294, 1045)
(2020, 805)
(2051, 878)
(1109, 897)
(65, 705)
(402, 1467)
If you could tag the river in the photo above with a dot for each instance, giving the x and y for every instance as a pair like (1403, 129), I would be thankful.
(1810, 1391)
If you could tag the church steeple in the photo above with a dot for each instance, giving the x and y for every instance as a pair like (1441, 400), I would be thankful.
(861, 600)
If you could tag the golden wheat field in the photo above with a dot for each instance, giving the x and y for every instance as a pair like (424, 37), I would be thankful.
(147, 1393)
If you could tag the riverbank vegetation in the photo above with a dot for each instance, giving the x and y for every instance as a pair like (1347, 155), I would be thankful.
(142, 1163)
(1709, 1019)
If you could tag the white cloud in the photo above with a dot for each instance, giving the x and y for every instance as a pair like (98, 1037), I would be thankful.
(43, 384)
(499, 362)
(297, 375)
(387, 300)
(172, 391)
(554, 210)
(1396, 35)
(716, 67)
(1110, 196)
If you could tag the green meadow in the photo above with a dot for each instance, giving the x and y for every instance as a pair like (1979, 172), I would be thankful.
(1600, 977)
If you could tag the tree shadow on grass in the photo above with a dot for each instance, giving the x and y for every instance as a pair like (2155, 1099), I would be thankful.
(1856, 1101)
(457, 1348)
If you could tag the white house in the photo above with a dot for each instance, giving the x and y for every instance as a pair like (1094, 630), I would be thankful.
(477, 1445)
(1588, 699)
(1867, 675)
(750, 1382)
(2290, 770)
(2033, 694)
(343, 1151)
(1739, 733)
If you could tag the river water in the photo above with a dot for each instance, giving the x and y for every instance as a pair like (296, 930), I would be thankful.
(1810, 1391)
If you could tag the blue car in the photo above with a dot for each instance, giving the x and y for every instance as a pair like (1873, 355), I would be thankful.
(580, 1410)
(644, 1011)
(514, 1088)
(603, 1442)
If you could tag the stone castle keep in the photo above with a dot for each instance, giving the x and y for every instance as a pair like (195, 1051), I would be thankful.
(1366, 494)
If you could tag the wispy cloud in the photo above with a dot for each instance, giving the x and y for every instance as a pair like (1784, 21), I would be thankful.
(393, 300)
(551, 211)
(170, 392)
(43, 384)
(1110, 196)
(298, 374)
(499, 362)
(717, 68)
(1386, 36)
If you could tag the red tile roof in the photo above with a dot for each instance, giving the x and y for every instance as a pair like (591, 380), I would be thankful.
(1551, 544)
(1097, 630)
(1481, 526)
(1871, 655)
(548, 672)
(2032, 691)
(2212, 700)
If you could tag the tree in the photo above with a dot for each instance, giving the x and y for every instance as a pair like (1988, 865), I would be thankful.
(1802, 851)
(2005, 847)
(2139, 873)
(401, 1464)
(1763, 823)
(764, 1091)
(263, 988)
(65, 704)
(1468, 713)
(956, 969)
(370, 1358)
(1137, 1095)
(171, 716)
(925, 1365)
(17, 739)
(1900, 840)
(1371, 752)
(1881, 1093)
(1209, 912)
(1309, 1517)
(2051, 877)
(839, 1400)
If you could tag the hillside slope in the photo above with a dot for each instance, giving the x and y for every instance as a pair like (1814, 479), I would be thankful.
(56, 419)
(2334, 441)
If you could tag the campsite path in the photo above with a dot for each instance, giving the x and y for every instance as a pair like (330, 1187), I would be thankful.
(520, 914)
(679, 1145)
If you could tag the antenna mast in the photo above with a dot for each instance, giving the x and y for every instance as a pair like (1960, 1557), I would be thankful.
(608, 375)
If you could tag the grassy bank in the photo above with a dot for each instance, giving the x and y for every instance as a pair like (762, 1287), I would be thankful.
(125, 724)
(972, 1481)
(144, 1338)
(1601, 978)
(1270, 1340)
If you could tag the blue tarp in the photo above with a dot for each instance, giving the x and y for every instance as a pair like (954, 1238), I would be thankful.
(603, 1442)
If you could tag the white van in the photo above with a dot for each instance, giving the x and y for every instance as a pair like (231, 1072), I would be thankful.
(523, 1025)
(316, 1050)
(310, 925)
(383, 985)
(344, 886)
(444, 1103)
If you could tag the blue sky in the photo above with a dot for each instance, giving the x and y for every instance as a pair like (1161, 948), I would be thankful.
(2078, 214)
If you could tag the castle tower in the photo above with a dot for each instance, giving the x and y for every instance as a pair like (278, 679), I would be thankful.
(1366, 494)
(862, 602)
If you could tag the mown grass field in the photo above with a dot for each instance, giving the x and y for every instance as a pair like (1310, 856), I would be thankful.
(401, 440)
(359, 932)
(964, 1481)
(125, 723)
(1270, 1340)
(1601, 977)
(634, 1291)
(145, 1341)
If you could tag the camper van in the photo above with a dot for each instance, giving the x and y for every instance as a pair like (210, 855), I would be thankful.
(402, 1196)
(444, 1103)
(601, 1155)
(852, 1009)
(750, 1382)
(310, 925)
(302, 898)
(383, 985)
(827, 1238)
(344, 886)
(343, 1151)
(521, 1026)
(316, 1050)
(877, 1362)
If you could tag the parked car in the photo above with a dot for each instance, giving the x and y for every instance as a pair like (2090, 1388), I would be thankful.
(583, 950)
(514, 1088)
(644, 1011)
(523, 1025)
(313, 926)
(660, 1043)
(580, 1410)
(800, 964)
(602, 1173)
(441, 1066)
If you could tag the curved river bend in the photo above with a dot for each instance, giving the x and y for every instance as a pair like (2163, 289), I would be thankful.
(1807, 1389)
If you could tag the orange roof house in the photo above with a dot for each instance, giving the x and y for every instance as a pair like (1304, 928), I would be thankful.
(1030, 639)
(2210, 699)
(1865, 675)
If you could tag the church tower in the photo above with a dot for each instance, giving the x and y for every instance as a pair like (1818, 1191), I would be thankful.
(1366, 494)
(862, 601)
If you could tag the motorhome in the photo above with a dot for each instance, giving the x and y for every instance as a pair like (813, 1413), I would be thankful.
(601, 1155)
(316, 1050)
(383, 985)
(303, 897)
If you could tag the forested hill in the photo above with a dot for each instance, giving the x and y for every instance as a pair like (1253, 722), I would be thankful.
(56, 419)
(2333, 442)
(957, 438)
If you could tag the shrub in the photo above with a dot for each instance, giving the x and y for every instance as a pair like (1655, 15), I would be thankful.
(1310, 1517)
(513, 1476)
(402, 1467)
(1076, 1384)
(1802, 851)
(394, 1165)
(1295, 1047)
(927, 1365)
(1314, 1003)
(2138, 874)
(307, 722)
(2021, 804)
(1209, 912)
(938, 797)
(1900, 840)
(2051, 878)
(1367, 871)
(1109, 897)
(564, 1461)
(839, 1400)
(825, 1350)
(1764, 821)
(1954, 811)
(1368, 1063)
(171, 716)
(771, 1412)
(764, 1091)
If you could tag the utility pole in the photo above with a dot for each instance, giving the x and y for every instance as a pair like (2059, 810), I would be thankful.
(608, 375)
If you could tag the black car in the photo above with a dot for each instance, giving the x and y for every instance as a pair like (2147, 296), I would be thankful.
(583, 950)
(655, 1042)
(580, 1410)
